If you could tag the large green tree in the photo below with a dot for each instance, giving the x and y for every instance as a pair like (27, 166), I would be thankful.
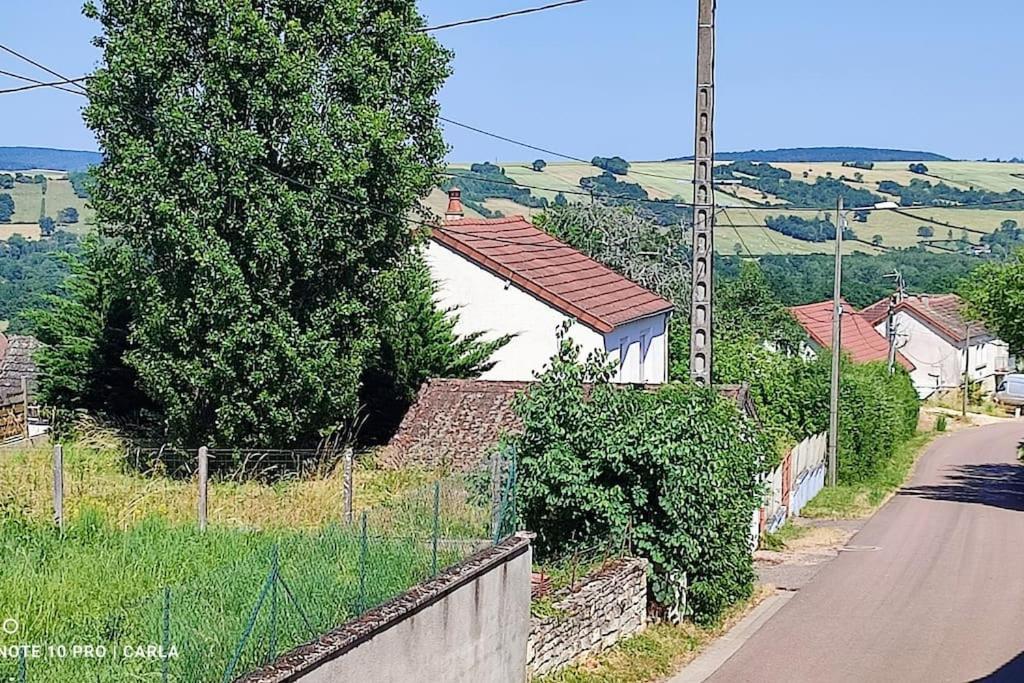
(260, 158)
(995, 293)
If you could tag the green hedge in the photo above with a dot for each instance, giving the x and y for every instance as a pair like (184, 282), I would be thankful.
(878, 412)
(673, 472)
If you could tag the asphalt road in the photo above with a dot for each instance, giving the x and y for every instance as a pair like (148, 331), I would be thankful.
(931, 589)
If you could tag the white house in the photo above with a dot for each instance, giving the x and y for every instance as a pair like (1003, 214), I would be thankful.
(505, 276)
(933, 334)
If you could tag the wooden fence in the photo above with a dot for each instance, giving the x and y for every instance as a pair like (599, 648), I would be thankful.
(13, 417)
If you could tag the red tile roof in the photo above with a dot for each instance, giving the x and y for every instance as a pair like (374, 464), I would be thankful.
(858, 337)
(940, 311)
(554, 272)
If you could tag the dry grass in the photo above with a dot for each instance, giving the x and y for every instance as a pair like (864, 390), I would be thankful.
(95, 479)
(658, 652)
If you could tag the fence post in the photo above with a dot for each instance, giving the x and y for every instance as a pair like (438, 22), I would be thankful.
(437, 521)
(22, 666)
(58, 486)
(272, 649)
(495, 494)
(24, 407)
(349, 485)
(363, 549)
(204, 476)
(165, 669)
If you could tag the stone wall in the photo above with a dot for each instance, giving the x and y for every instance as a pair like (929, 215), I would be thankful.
(607, 606)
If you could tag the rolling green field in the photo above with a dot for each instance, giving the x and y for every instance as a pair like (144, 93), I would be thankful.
(740, 227)
(28, 202)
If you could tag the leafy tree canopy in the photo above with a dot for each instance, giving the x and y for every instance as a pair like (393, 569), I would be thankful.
(995, 293)
(259, 162)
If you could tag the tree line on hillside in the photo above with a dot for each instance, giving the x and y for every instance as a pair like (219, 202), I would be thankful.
(797, 279)
(485, 181)
(6, 207)
(825, 154)
(32, 272)
(613, 191)
(807, 229)
(823, 193)
(616, 165)
(923, 192)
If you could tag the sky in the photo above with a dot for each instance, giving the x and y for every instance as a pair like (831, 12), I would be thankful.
(616, 77)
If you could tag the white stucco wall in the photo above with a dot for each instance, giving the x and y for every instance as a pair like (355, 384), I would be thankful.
(939, 361)
(489, 304)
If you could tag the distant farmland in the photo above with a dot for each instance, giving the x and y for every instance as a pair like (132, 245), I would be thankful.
(28, 202)
(745, 208)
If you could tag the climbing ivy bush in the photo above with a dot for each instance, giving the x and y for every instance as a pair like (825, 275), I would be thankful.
(675, 471)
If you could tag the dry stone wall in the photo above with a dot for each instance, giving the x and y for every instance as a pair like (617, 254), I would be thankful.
(607, 606)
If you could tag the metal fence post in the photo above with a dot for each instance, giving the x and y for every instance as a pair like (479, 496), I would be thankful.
(437, 522)
(363, 549)
(58, 486)
(349, 484)
(495, 493)
(165, 670)
(204, 476)
(272, 649)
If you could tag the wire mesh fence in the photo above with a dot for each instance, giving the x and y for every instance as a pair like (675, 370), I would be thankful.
(241, 597)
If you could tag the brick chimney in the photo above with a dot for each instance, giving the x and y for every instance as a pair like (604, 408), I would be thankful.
(454, 205)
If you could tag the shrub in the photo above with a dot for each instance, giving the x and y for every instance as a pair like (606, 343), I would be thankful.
(878, 412)
(940, 423)
(676, 469)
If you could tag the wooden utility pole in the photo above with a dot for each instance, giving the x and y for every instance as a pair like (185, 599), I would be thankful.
(837, 330)
(967, 369)
(703, 198)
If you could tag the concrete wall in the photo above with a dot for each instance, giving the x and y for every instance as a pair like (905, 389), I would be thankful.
(468, 625)
(606, 607)
(486, 303)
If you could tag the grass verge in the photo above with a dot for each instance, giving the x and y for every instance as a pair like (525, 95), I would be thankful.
(784, 536)
(851, 501)
(659, 651)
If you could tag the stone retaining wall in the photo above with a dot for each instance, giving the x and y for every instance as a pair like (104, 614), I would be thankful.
(605, 607)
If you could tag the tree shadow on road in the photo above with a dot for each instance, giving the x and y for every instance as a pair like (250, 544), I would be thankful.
(1013, 671)
(998, 485)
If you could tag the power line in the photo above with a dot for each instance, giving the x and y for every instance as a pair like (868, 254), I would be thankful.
(536, 148)
(52, 84)
(56, 86)
(36, 64)
(504, 15)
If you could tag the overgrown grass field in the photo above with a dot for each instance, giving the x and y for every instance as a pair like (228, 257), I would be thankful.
(131, 559)
(97, 586)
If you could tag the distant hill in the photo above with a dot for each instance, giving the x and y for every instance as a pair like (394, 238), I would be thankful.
(25, 158)
(824, 154)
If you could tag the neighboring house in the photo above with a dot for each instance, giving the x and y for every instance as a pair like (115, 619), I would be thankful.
(857, 337)
(505, 276)
(932, 332)
(17, 364)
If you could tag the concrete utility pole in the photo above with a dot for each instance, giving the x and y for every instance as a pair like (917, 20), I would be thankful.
(837, 312)
(967, 369)
(703, 197)
(890, 332)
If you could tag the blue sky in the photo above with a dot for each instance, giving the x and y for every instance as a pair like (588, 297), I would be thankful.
(616, 76)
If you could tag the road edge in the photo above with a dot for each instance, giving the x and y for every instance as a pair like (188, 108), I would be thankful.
(719, 652)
